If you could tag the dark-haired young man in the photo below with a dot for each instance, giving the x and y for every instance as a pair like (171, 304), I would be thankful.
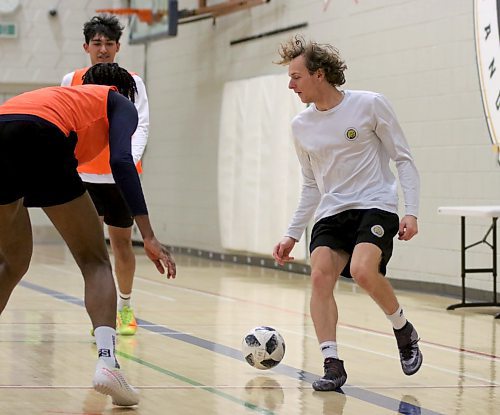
(102, 42)
(44, 135)
(344, 141)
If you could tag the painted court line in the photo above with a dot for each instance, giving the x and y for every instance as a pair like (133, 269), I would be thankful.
(198, 385)
(353, 391)
(189, 290)
(295, 387)
(454, 349)
(393, 357)
(163, 297)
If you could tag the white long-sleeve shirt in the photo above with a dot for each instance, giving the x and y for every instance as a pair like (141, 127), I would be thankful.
(345, 155)
(140, 137)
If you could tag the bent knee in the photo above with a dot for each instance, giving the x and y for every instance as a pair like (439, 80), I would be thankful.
(363, 275)
(93, 266)
(122, 246)
(322, 281)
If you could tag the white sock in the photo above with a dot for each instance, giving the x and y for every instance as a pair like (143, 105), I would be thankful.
(397, 319)
(329, 349)
(123, 300)
(105, 339)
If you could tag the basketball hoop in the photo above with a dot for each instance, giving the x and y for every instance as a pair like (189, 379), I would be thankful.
(144, 15)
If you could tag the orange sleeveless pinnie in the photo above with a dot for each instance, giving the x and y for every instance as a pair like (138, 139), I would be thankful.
(82, 109)
(100, 164)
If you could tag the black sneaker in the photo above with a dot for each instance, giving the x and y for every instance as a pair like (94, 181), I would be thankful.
(335, 376)
(409, 353)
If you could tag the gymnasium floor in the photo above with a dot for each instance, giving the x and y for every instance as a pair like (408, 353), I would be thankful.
(186, 359)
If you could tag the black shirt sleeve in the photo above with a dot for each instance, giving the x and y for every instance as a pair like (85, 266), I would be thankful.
(122, 117)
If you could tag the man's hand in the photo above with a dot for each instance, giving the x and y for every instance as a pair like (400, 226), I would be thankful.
(160, 256)
(282, 250)
(408, 228)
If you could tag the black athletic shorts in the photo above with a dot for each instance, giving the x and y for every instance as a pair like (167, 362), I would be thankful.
(37, 162)
(110, 203)
(351, 227)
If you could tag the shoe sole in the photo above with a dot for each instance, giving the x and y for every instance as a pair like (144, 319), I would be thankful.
(117, 399)
(116, 394)
(327, 385)
(126, 333)
(416, 369)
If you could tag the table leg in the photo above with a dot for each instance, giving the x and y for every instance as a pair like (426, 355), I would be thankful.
(464, 270)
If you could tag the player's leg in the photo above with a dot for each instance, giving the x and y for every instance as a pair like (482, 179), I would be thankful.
(80, 227)
(57, 187)
(329, 256)
(114, 212)
(38, 163)
(16, 247)
(121, 245)
(16, 241)
(365, 265)
(368, 265)
(119, 219)
(326, 266)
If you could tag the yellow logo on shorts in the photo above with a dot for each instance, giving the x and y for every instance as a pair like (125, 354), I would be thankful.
(351, 134)
(378, 231)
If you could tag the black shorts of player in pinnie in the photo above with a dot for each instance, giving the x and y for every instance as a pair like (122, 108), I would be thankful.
(345, 230)
(37, 162)
(110, 204)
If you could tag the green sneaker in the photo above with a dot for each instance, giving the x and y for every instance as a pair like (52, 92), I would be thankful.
(125, 322)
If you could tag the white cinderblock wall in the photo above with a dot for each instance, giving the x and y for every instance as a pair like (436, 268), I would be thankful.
(420, 53)
(46, 48)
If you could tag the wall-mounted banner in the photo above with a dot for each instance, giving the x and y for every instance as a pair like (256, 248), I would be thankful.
(488, 60)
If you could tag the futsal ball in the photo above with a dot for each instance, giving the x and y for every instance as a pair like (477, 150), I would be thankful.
(263, 347)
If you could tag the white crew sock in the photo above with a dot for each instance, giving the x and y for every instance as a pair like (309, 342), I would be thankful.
(105, 339)
(329, 349)
(124, 300)
(397, 319)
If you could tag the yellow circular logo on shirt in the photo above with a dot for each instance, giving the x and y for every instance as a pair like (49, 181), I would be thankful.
(351, 134)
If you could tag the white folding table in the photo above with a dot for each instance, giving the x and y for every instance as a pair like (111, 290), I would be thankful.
(492, 212)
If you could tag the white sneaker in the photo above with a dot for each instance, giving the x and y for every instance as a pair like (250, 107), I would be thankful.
(110, 381)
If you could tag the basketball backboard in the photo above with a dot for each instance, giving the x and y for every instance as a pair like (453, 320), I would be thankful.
(152, 19)
(155, 19)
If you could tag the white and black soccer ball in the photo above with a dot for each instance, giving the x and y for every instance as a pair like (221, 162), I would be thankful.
(263, 347)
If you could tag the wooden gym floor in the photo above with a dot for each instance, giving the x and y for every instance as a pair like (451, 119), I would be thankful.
(186, 359)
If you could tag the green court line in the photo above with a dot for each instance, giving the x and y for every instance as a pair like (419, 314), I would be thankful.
(192, 382)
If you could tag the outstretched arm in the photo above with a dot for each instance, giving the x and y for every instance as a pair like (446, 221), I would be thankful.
(155, 251)
(309, 199)
(122, 117)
